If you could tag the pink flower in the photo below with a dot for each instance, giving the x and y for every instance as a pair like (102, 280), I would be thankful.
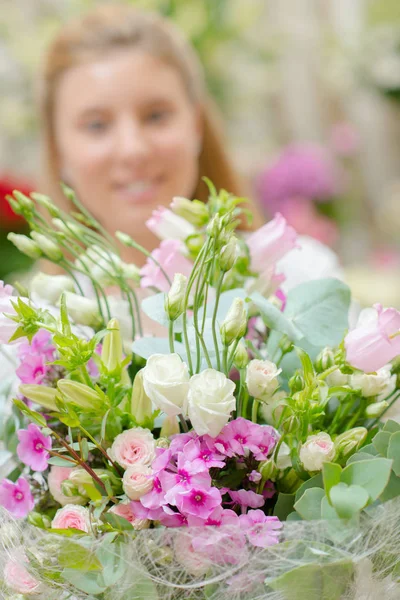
(270, 243)
(198, 501)
(134, 446)
(16, 497)
(72, 517)
(156, 497)
(32, 369)
(17, 577)
(33, 446)
(137, 481)
(247, 498)
(171, 260)
(167, 225)
(202, 457)
(187, 476)
(261, 531)
(55, 478)
(375, 341)
(124, 510)
(41, 344)
(344, 139)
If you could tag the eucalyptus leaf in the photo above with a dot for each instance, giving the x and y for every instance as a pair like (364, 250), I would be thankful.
(309, 505)
(146, 346)
(153, 307)
(275, 319)
(373, 475)
(348, 500)
(284, 505)
(394, 452)
(381, 442)
(331, 476)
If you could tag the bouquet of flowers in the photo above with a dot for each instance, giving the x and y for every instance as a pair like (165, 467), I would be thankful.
(244, 453)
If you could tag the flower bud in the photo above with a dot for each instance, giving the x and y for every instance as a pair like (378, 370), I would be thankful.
(194, 211)
(235, 323)
(80, 477)
(214, 227)
(162, 442)
(376, 409)
(262, 379)
(141, 406)
(267, 469)
(50, 287)
(325, 360)
(111, 352)
(47, 246)
(194, 243)
(285, 344)
(40, 394)
(130, 271)
(169, 427)
(228, 255)
(69, 489)
(124, 238)
(67, 228)
(82, 310)
(296, 383)
(79, 394)
(175, 299)
(316, 450)
(24, 202)
(241, 357)
(25, 245)
(47, 203)
(39, 520)
(348, 442)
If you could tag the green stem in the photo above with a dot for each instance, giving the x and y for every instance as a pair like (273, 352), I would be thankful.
(183, 423)
(85, 376)
(214, 320)
(171, 336)
(225, 360)
(254, 410)
(375, 421)
(239, 395)
(101, 449)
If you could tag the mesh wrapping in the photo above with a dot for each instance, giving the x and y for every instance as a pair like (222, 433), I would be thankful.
(315, 560)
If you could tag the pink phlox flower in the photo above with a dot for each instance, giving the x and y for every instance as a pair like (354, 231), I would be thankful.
(266, 444)
(32, 369)
(162, 460)
(246, 498)
(222, 443)
(187, 476)
(16, 497)
(156, 497)
(261, 531)
(246, 436)
(219, 516)
(255, 476)
(198, 501)
(374, 341)
(41, 345)
(169, 256)
(179, 441)
(202, 457)
(171, 518)
(33, 446)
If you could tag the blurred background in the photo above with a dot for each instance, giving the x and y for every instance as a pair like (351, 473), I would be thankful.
(310, 94)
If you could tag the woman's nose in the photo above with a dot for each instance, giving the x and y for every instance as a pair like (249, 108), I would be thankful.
(131, 141)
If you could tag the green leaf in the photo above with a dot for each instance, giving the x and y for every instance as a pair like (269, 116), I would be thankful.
(31, 414)
(90, 583)
(373, 475)
(76, 556)
(331, 475)
(309, 505)
(394, 452)
(153, 307)
(307, 365)
(319, 309)
(284, 506)
(315, 481)
(392, 490)
(358, 456)
(117, 522)
(391, 426)
(315, 581)
(146, 346)
(348, 500)
(274, 318)
(381, 442)
(60, 462)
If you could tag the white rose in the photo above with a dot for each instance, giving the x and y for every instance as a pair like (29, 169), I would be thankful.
(50, 287)
(316, 450)
(137, 481)
(132, 447)
(382, 384)
(262, 378)
(337, 378)
(166, 382)
(210, 401)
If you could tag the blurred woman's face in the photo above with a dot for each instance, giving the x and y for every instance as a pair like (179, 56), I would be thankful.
(128, 138)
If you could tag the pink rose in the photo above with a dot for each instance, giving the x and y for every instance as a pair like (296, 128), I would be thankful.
(171, 260)
(375, 341)
(17, 577)
(55, 478)
(124, 510)
(135, 446)
(137, 481)
(72, 517)
(270, 243)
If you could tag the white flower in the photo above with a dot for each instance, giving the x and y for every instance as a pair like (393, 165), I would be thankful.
(166, 382)
(175, 299)
(234, 325)
(337, 378)
(262, 378)
(137, 481)
(132, 447)
(50, 287)
(210, 401)
(382, 384)
(283, 460)
(167, 225)
(317, 450)
(82, 310)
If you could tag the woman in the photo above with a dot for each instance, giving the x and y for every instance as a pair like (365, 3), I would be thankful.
(127, 120)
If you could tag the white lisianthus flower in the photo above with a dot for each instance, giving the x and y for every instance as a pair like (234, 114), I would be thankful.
(210, 401)
(137, 481)
(50, 287)
(262, 378)
(167, 225)
(82, 310)
(382, 384)
(166, 382)
(316, 450)
(132, 447)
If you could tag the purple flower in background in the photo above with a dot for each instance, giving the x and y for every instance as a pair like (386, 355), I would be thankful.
(33, 446)
(16, 497)
(303, 171)
(261, 531)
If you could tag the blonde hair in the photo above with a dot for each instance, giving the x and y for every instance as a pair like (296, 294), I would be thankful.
(114, 27)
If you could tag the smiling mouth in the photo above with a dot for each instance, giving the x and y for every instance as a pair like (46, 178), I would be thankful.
(138, 191)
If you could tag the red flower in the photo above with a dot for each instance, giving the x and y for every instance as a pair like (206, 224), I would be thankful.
(8, 219)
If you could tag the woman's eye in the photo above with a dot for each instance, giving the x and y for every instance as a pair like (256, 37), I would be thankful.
(95, 126)
(156, 116)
